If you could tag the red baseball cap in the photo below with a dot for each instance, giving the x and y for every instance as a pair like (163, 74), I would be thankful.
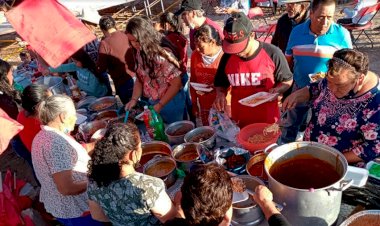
(237, 30)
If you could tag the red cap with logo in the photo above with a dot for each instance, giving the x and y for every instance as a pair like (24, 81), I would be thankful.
(237, 30)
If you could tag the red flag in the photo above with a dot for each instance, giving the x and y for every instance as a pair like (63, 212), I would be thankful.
(51, 29)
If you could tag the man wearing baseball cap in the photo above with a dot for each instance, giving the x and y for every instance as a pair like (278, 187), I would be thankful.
(194, 17)
(248, 67)
(297, 13)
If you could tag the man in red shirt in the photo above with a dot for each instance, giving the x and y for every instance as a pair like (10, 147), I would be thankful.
(194, 17)
(248, 67)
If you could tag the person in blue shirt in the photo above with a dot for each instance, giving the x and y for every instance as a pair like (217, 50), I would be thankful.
(311, 45)
(89, 80)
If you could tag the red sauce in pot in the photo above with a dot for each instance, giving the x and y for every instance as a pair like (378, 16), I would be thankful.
(304, 172)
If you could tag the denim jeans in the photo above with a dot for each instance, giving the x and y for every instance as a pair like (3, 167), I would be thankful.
(188, 114)
(174, 110)
(125, 91)
(79, 221)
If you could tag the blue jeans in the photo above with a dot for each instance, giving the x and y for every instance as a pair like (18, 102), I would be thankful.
(125, 91)
(80, 221)
(188, 114)
(174, 110)
(292, 122)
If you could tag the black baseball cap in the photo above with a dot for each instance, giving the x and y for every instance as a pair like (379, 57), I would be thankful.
(188, 5)
(237, 30)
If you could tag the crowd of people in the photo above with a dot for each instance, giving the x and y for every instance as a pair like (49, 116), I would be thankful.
(97, 184)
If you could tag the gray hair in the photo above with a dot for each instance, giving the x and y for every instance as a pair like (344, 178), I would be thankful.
(53, 106)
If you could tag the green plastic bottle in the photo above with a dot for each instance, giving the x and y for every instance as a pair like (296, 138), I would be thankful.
(157, 124)
(18, 87)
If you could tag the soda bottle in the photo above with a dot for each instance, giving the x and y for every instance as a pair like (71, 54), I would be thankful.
(146, 117)
(75, 92)
(158, 125)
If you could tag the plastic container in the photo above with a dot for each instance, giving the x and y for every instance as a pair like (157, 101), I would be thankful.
(371, 167)
(146, 119)
(156, 123)
(358, 176)
(253, 129)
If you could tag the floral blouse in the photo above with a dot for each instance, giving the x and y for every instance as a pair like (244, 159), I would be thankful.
(164, 71)
(347, 124)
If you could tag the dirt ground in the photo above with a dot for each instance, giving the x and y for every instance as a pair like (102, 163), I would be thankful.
(363, 44)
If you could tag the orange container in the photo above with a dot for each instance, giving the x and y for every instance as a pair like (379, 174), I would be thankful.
(256, 129)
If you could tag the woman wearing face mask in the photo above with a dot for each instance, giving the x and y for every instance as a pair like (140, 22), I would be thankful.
(204, 63)
(60, 163)
(117, 193)
(88, 78)
(158, 74)
(345, 107)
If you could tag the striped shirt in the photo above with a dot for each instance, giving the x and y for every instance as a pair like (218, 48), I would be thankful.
(311, 52)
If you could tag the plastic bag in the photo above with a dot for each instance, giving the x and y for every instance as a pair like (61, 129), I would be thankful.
(223, 125)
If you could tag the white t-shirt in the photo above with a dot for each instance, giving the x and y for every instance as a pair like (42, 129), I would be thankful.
(53, 152)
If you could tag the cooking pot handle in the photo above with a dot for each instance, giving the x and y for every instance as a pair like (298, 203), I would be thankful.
(270, 148)
(343, 185)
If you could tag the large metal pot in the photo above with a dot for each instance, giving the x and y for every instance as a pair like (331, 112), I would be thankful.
(247, 212)
(186, 155)
(106, 115)
(86, 130)
(54, 84)
(193, 135)
(315, 207)
(104, 103)
(85, 102)
(177, 131)
(150, 149)
(154, 167)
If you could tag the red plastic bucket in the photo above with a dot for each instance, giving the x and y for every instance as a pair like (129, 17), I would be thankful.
(253, 129)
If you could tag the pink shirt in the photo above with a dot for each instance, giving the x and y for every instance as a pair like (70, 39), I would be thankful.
(164, 72)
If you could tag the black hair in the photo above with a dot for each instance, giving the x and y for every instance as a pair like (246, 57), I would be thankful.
(5, 85)
(150, 41)
(207, 33)
(104, 166)
(174, 21)
(82, 56)
(358, 60)
(23, 54)
(106, 23)
(32, 96)
(316, 3)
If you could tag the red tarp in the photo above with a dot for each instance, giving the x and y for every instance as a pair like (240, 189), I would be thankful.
(51, 29)
(11, 128)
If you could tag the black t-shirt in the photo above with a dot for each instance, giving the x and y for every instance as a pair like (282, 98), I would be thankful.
(284, 27)
(278, 220)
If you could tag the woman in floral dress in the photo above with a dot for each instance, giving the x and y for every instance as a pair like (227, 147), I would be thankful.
(345, 107)
(158, 74)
